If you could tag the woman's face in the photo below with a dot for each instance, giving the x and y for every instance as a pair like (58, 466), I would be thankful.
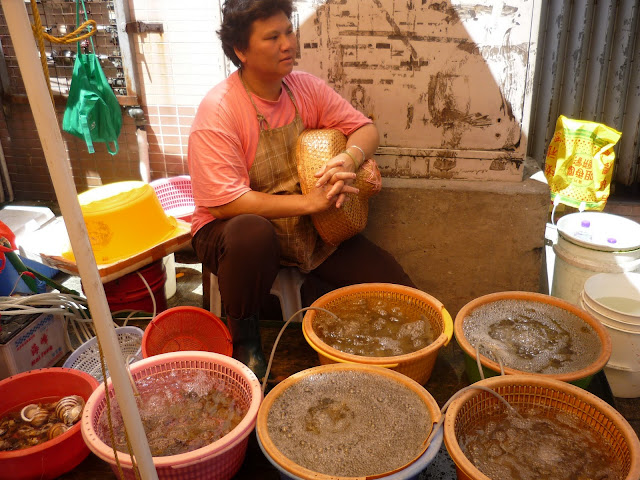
(272, 48)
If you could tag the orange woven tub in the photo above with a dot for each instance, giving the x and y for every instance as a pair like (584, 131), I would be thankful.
(538, 391)
(581, 377)
(331, 373)
(417, 365)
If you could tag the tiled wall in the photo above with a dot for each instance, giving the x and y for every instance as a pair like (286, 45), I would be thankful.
(175, 69)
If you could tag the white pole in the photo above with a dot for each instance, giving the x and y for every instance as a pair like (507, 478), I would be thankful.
(60, 171)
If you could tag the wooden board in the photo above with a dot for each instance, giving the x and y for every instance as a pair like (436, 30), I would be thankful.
(113, 271)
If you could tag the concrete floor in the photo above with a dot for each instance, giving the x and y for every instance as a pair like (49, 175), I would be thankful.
(293, 354)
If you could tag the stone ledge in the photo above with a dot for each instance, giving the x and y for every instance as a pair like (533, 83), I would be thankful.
(461, 239)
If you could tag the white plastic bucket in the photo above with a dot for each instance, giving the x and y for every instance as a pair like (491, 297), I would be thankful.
(590, 243)
(624, 382)
(615, 295)
(614, 300)
(625, 342)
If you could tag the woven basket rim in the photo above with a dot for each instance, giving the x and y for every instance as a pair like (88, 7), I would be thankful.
(469, 469)
(597, 365)
(200, 455)
(261, 423)
(307, 323)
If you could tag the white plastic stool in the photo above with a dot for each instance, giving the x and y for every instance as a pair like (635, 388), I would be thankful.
(286, 287)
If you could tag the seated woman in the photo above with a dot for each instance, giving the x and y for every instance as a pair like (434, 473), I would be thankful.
(251, 216)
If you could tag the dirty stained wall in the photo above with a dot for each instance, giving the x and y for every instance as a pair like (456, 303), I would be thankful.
(447, 82)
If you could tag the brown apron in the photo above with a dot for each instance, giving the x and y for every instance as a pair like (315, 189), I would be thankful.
(274, 172)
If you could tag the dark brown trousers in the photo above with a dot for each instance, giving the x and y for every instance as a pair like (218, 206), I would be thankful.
(243, 252)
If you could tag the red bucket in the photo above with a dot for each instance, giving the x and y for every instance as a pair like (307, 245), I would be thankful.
(130, 292)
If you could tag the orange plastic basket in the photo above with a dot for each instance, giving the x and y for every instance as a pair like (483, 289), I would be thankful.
(186, 328)
(531, 391)
(417, 365)
(329, 371)
(581, 377)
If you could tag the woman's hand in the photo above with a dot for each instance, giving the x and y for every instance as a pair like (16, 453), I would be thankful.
(339, 174)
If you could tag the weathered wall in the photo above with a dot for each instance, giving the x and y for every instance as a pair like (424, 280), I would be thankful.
(447, 82)
(459, 240)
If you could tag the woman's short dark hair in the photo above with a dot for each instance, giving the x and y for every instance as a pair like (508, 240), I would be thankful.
(238, 17)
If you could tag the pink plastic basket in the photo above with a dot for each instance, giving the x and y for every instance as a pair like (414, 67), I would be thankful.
(175, 196)
(221, 459)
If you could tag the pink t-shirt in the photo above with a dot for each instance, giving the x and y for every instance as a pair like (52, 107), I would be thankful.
(224, 135)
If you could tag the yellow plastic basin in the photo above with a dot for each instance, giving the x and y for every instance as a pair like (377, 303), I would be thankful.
(123, 219)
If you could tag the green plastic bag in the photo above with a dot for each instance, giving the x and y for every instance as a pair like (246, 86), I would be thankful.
(93, 112)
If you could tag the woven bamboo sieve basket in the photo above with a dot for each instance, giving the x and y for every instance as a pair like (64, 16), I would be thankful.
(313, 150)
(417, 365)
(537, 391)
(580, 377)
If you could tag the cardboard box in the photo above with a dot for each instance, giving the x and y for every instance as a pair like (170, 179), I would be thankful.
(28, 342)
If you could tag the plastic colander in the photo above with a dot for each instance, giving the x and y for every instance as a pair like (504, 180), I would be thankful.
(186, 328)
(87, 356)
(175, 196)
(221, 459)
(589, 411)
(417, 365)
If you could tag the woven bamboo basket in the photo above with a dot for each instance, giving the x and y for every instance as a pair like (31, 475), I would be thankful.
(581, 377)
(532, 391)
(417, 365)
(299, 471)
(313, 150)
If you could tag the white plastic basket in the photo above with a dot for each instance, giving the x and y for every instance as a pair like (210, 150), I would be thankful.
(87, 356)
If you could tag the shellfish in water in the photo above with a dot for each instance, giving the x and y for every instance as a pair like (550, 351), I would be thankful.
(69, 409)
(56, 429)
(35, 415)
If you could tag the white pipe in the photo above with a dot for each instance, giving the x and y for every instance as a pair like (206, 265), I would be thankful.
(143, 152)
(60, 171)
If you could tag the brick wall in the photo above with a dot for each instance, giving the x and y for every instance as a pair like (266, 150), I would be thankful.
(175, 70)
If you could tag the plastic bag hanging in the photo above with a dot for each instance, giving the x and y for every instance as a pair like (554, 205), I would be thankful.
(93, 112)
(579, 163)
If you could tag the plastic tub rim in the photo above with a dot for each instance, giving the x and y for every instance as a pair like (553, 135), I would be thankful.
(602, 308)
(182, 460)
(315, 341)
(472, 472)
(588, 371)
(274, 452)
(63, 436)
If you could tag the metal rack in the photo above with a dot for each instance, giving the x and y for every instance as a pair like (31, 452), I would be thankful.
(58, 17)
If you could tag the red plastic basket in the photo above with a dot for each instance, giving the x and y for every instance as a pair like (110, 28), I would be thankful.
(186, 328)
(50, 459)
(175, 196)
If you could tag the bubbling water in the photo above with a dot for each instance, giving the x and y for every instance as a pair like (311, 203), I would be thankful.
(544, 443)
(532, 337)
(181, 411)
(349, 424)
(374, 327)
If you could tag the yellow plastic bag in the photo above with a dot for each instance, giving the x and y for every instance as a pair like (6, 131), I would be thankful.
(579, 163)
